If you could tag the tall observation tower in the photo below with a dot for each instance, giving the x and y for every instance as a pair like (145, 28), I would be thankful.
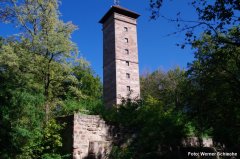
(120, 55)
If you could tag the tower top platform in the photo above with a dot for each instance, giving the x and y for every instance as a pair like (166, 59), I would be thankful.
(120, 10)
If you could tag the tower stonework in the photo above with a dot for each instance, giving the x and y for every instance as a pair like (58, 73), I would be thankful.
(120, 55)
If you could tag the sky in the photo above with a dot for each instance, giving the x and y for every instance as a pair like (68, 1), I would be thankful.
(156, 49)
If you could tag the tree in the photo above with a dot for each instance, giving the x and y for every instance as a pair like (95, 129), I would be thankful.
(22, 102)
(166, 87)
(88, 83)
(1, 41)
(149, 129)
(21, 106)
(154, 126)
(83, 93)
(38, 77)
(212, 99)
(46, 38)
(215, 18)
(214, 77)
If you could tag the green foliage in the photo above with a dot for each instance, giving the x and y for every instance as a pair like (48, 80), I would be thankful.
(51, 136)
(147, 127)
(51, 156)
(202, 102)
(211, 93)
(121, 153)
(83, 91)
(41, 79)
(86, 106)
(213, 18)
(1, 41)
(214, 79)
(89, 84)
(83, 84)
(22, 84)
(155, 126)
(45, 41)
(166, 87)
(21, 123)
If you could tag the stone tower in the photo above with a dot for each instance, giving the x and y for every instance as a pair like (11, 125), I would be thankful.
(120, 55)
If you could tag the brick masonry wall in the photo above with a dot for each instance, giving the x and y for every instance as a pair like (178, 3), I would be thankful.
(91, 137)
(109, 65)
(122, 69)
(115, 59)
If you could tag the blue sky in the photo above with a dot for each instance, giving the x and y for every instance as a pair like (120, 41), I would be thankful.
(156, 50)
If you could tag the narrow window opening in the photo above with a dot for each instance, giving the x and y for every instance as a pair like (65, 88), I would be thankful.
(126, 40)
(125, 29)
(128, 75)
(127, 63)
(127, 51)
(128, 88)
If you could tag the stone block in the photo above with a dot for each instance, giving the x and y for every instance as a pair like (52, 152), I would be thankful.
(90, 136)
